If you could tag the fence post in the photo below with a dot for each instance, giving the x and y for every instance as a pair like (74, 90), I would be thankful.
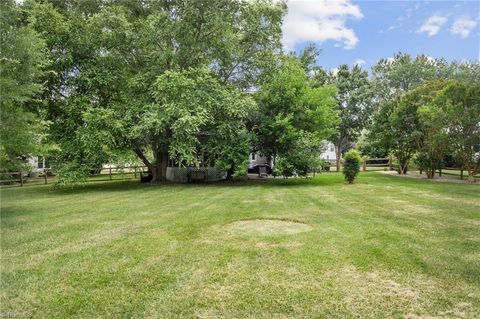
(364, 164)
(461, 173)
(390, 163)
(45, 175)
(110, 171)
(135, 170)
(21, 178)
(440, 172)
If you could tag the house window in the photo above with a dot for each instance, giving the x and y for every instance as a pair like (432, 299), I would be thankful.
(40, 162)
(253, 156)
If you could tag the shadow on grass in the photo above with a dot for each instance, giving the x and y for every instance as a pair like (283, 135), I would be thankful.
(324, 179)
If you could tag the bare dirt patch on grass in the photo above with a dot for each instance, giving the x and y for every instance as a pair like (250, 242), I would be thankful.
(267, 227)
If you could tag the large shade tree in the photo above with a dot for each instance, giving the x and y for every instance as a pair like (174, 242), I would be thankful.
(114, 63)
(21, 60)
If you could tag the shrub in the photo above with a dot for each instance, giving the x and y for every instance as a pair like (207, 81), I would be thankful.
(71, 174)
(283, 167)
(351, 165)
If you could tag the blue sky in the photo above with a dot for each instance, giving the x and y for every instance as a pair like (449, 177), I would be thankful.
(362, 32)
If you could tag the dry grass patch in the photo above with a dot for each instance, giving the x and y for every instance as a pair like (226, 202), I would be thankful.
(267, 227)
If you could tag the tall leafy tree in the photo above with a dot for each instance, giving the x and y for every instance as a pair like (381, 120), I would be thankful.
(432, 144)
(410, 123)
(293, 117)
(354, 105)
(402, 73)
(109, 62)
(460, 103)
(21, 61)
(395, 128)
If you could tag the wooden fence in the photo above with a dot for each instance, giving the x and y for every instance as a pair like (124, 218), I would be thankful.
(376, 164)
(21, 178)
(368, 164)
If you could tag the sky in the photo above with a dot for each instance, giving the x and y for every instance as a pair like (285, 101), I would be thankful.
(362, 32)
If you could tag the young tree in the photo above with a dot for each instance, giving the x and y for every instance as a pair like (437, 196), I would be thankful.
(353, 105)
(293, 118)
(21, 61)
(431, 142)
(461, 104)
(411, 123)
(110, 61)
(395, 126)
(351, 165)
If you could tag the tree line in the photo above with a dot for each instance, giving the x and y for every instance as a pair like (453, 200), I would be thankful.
(194, 82)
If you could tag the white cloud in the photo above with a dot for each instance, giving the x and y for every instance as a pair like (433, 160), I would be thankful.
(359, 62)
(334, 71)
(463, 26)
(432, 25)
(318, 21)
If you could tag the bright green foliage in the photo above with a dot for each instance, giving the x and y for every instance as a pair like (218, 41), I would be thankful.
(112, 62)
(403, 73)
(21, 61)
(370, 148)
(409, 123)
(431, 142)
(351, 165)
(194, 110)
(460, 102)
(354, 105)
(294, 118)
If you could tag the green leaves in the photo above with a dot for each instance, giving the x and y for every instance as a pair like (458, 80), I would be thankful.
(354, 102)
(293, 117)
(351, 165)
(21, 62)
(161, 77)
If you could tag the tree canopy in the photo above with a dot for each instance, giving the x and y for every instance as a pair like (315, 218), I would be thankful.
(21, 62)
(113, 65)
(354, 106)
(294, 118)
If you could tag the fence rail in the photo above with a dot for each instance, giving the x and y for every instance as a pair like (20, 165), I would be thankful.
(375, 163)
(21, 178)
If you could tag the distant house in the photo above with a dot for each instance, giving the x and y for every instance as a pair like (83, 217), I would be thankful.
(329, 153)
(37, 163)
(257, 160)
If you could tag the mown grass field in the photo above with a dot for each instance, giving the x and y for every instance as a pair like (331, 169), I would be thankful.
(383, 247)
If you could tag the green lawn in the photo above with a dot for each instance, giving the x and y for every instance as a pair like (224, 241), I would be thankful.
(383, 247)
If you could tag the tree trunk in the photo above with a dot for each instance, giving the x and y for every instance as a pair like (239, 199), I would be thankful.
(338, 155)
(230, 172)
(471, 177)
(160, 170)
(402, 166)
(144, 159)
(430, 174)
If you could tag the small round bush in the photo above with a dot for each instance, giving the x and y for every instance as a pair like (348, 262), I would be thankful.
(351, 165)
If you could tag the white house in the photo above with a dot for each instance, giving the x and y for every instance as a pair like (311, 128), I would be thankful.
(37, 164)
(257, 160)
(329, 153)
